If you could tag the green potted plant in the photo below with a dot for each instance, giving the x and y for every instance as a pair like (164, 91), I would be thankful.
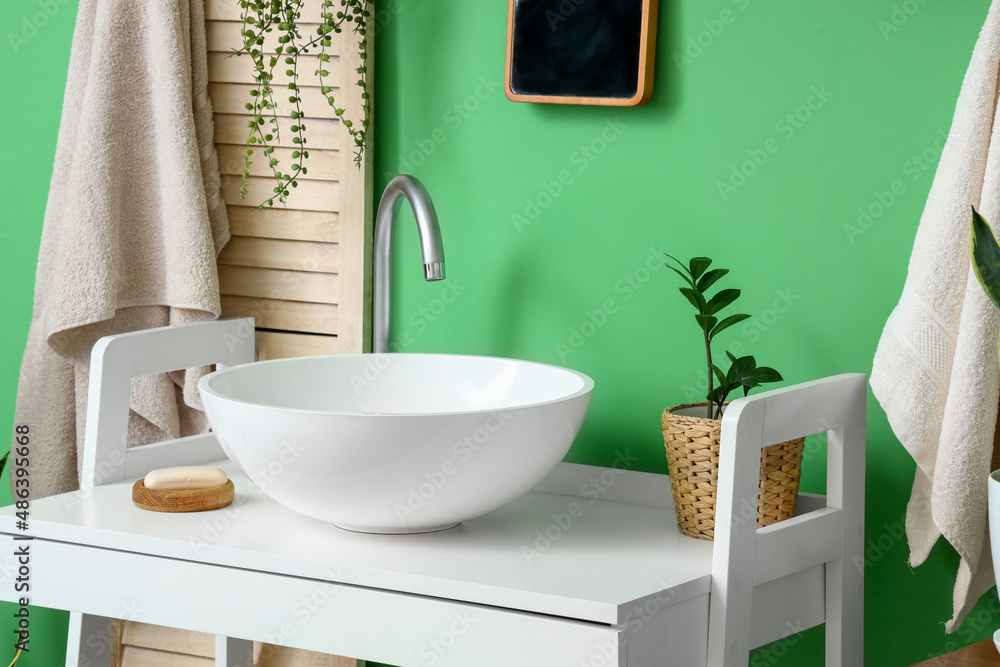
(692, 431)
(282, 20)
(986, 257)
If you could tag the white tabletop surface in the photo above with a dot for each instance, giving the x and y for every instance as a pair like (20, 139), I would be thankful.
(599, 568)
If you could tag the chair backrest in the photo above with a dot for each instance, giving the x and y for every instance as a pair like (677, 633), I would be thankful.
(115, 360)
(745, 557)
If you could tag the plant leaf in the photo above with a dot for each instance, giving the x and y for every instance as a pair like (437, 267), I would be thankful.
(706, 322)
(986, 257)
(740, 369)
(682, 271)
(719, 375)
(721, 300)
(710, 278)
(682, 275)
(728, 322)
(698, 265)
(695, 297)
(767, 374)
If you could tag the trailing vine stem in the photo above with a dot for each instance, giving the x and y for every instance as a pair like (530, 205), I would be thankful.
(283, 17)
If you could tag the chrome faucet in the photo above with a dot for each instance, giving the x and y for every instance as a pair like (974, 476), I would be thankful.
(430, 245)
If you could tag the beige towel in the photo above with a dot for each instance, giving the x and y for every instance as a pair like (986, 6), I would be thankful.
(936, 372)
(132, 227)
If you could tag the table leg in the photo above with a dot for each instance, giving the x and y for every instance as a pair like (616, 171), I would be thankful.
(231, 652)
(90, 641)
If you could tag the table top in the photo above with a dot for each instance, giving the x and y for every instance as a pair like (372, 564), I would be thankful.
(582, 558)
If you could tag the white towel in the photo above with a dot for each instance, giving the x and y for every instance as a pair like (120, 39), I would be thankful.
(936, 371)
(132, 226)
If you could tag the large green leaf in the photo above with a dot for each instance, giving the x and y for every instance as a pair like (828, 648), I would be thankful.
(711, 278)
(728, 322)
(758, 377)
(706, 322)
(698, 266)
(986, 257)
(695, 297)
(740, 368)
(767, 374)
(721, 300)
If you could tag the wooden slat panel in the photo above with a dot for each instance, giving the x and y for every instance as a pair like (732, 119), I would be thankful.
(280, 345)
(320, 132)
(233, 97)
(229, 10)
(133, 656)
(252, 272)
(223, 68)
(356, 210)
(283, 315)
(284, 223)
(268, 655)
(322, 165)
(276, 284)
(279, 254)
(224, 36)
(308, 196)
(177, 645)
(144, 635)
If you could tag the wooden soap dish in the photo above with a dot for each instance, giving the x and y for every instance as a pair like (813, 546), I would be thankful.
(183, 500)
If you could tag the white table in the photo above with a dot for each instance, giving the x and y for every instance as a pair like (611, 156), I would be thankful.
(588, 569)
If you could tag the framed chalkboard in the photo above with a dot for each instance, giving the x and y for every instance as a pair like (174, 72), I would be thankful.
(581, 51)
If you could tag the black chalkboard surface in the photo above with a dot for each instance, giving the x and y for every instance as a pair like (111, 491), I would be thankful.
(580, 51)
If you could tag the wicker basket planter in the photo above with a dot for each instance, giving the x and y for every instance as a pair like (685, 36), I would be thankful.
(692, 445)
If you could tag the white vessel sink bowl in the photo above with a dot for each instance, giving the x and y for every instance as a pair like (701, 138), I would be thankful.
(396, 443)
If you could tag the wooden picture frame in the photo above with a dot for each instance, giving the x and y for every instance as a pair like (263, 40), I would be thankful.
(564, 11)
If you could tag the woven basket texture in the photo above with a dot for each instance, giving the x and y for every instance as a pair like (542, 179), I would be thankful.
(692, 445)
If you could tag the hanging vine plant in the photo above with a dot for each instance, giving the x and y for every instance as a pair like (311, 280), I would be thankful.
(281, 19)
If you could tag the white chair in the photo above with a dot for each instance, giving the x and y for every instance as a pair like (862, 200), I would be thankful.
(832, 537)
(115, 360)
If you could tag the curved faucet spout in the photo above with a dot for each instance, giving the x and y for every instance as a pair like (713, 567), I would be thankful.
(430, 244)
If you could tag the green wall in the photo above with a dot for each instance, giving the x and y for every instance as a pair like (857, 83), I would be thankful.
(527, 283)
(554, 216)
(35, 41)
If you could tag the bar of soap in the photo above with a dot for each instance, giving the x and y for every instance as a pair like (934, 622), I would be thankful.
(185, 477)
